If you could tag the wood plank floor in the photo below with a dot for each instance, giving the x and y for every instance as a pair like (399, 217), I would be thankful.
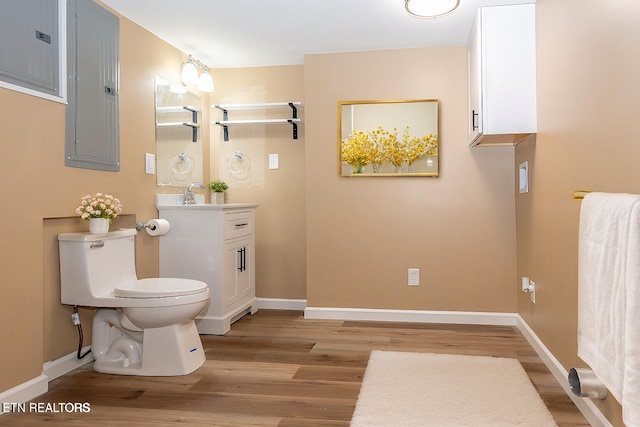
(277, 369)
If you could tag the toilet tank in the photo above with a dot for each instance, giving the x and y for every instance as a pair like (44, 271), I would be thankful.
(93, 265)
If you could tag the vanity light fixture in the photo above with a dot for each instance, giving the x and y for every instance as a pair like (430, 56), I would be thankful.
(189, 75)
(430, 8)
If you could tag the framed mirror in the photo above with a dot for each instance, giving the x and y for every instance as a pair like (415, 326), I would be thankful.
(388, 138)
(178, 134)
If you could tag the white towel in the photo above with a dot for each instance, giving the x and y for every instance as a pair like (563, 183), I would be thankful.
(609, 295)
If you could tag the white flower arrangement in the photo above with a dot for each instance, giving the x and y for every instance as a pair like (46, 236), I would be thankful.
(99, 206)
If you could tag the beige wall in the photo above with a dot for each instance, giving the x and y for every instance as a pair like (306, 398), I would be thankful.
(37, 186)
(280, 216)
(588, 92)
(363, 233)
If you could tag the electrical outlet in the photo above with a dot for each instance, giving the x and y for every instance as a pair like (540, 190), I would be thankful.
(529, 286)
(414, 277)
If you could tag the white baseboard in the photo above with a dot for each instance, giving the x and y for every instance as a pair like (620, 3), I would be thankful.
(25, 391)
(282, 304)
(585, 406)
(65, 364)
(419, 316)
(40, 385)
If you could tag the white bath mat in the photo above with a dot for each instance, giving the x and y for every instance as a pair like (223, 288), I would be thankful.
(441, 390)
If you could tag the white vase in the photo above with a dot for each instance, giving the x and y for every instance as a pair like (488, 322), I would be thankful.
(217, 198)
(98, 225)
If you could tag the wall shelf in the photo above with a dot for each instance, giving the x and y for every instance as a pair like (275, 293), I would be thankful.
(177, 109)
(172, 124)
(193, 124)
(225, 122)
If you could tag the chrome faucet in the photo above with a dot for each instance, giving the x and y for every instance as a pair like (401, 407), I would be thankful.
(189, 196)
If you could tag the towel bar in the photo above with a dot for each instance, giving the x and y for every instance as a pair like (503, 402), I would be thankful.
(579, 194)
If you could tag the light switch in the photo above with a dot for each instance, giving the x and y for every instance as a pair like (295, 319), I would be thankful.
(274, 161)
(149, 163)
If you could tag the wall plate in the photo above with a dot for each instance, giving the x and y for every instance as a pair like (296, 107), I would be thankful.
(149, 163)
(524, 177)
(274, 161)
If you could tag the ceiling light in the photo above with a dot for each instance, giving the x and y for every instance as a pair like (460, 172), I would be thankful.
(430, 8)
(205, 82)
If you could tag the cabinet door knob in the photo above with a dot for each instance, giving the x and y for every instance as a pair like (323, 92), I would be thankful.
(474, 126)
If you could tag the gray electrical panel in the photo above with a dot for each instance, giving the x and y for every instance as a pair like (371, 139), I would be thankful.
(29, 47)
(92, 122)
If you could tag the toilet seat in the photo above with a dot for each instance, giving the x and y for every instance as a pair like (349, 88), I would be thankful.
(159, 288)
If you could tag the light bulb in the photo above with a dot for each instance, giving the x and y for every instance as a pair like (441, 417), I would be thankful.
(189, 74)
(205, 82)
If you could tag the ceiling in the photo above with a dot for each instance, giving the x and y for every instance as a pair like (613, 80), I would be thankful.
(251, 33)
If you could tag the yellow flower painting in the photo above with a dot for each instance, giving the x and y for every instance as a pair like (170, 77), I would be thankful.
(385, 152)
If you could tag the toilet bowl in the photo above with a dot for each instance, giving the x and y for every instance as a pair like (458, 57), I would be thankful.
(142, 326)
(182, 300)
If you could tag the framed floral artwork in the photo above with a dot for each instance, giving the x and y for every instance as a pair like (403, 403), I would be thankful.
(388, 138)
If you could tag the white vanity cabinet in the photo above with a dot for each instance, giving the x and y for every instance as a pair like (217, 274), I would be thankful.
(502, 75)
(215, 244)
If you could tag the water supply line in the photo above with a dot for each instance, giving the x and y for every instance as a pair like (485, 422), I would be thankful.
(75, 318)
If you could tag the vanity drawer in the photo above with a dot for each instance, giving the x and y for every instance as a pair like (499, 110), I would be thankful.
(237, 224)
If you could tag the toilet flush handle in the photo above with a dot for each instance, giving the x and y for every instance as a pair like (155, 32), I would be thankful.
(98, 244)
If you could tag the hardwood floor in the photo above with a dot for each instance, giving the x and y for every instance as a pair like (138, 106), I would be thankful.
(277, 369)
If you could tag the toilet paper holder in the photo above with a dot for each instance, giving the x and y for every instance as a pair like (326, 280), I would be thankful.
(141, 226)
(154, 227)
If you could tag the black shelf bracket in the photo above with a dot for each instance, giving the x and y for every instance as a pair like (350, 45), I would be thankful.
(225, 128)
(194, 119)
(294, 110)
(295, 128)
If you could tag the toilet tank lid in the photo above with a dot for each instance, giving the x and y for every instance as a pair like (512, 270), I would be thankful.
(88, 237)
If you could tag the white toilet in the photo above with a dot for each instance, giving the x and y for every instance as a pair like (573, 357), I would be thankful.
(142, 327)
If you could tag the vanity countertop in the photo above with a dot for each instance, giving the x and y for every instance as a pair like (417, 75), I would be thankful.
(174, 201)
(204, 206)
